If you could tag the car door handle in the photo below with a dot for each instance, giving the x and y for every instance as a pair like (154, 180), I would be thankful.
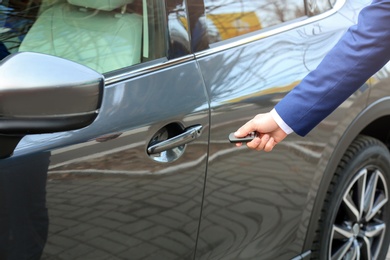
(189, 135)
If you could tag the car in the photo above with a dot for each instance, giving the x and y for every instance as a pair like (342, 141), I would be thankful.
(114, 125)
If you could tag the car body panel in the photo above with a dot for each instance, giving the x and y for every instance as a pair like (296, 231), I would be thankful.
(97, 193)
(105, 195)
(371, 120)
(258, 203)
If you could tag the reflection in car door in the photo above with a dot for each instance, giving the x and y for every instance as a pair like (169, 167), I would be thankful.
(100, 192)
(255, 204)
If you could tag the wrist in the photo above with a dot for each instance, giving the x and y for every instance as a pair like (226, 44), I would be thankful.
(280, 122)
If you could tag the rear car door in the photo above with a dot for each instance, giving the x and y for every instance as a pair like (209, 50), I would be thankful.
(257, 205)
(129, 185)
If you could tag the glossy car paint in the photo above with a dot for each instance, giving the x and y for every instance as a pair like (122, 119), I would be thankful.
(260, 204)
(46, 108)
(95, 193)
(106, 196)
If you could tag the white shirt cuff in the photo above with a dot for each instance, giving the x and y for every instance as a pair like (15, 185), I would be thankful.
(281, 122)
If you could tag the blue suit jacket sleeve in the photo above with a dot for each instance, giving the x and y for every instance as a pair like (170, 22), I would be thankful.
(359, 54)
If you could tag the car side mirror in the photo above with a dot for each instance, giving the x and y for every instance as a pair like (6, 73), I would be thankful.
(40, 93)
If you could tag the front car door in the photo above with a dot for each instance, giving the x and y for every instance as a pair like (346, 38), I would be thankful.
(114, 189)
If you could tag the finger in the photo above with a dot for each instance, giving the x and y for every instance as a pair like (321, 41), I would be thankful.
(244, 130)
(270, 145)
(238, 144)
(264, 140)
(254, 143)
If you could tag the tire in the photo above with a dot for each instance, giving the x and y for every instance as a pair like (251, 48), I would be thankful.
(355, 219)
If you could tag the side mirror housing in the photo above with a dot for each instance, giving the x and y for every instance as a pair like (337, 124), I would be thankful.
(40, 93)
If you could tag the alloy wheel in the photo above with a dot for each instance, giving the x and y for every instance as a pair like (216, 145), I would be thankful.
(359, 227)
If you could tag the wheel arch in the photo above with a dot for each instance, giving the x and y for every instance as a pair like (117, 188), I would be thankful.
(372, 122)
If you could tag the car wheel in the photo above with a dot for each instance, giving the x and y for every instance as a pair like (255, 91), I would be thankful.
(355, 219)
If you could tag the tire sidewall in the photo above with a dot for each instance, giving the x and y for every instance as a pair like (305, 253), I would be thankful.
(373, 155)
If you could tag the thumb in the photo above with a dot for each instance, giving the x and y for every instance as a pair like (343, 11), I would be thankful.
(245, 130)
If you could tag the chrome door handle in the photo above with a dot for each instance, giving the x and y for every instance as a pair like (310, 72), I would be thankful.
(189, 135)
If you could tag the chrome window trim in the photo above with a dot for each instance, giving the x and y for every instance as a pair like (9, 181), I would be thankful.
(109, 80)
(147, 69)
(264, 34)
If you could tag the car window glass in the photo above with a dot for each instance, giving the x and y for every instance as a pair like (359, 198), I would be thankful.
(319, 6)
(104, 35)
(228, 19)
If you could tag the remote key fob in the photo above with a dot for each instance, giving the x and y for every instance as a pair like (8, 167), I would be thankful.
(245, 139)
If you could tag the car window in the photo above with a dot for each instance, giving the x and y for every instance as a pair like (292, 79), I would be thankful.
(228, 19)
(104, 35)
(319, 6)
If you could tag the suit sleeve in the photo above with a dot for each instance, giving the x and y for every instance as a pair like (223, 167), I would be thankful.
(360, 53)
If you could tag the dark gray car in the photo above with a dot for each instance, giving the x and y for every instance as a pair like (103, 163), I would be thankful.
(114, 118)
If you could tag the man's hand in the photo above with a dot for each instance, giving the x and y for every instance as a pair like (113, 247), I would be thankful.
(269, 132)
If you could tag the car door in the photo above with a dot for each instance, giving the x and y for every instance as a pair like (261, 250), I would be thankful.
(257, 205)
(129, 185)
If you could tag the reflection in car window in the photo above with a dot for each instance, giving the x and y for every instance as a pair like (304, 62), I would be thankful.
(319, 6)
(104, 35)
(228, 19)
